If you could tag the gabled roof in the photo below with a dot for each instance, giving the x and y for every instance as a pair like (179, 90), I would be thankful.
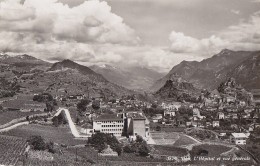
(239, 135)
(215, 92)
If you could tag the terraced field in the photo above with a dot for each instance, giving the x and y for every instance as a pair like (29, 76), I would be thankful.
(11, 149)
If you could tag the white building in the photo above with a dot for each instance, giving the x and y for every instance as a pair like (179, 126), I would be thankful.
(196, 112)
(238, 138)
(221, 115)
(129, 123)
(170, 113)
(109, 123)
(215, 123)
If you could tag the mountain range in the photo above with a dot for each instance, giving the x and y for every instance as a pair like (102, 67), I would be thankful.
(135, 77)
(35, 75)
(244, 66)
(62, 78)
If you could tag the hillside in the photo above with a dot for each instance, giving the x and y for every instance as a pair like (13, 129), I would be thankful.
(68, 78)
(24, 58)
(136, 78)
(21, 64)
(210, 72)
(13, 67)
(247, 73)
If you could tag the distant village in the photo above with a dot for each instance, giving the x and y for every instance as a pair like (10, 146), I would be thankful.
(230, 111)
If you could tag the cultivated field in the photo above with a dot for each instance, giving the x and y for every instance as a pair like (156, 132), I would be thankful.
(169, 150)
(89, 153)
(184, 141)
(8, 116)
(60, 135)
(164, 138)
(171, 138)
(11, 149)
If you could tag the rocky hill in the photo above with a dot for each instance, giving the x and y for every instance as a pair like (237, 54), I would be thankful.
(68, 64)
(231, 88)
(210, 72)
(177, 89)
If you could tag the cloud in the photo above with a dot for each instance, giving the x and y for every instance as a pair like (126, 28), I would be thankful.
(237, 12)
(91, 21)
(243, 36)
(14, 11)
(159, 58)
(90, 33)
(186, 44)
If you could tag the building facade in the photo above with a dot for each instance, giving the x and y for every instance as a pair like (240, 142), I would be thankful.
(122, 124)
(112, 124)
(238, 138)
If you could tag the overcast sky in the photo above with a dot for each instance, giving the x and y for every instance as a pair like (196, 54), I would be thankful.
(152, 33)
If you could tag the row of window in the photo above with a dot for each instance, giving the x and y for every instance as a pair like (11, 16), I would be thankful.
(114, 121)
(111, 129)
(111, 125)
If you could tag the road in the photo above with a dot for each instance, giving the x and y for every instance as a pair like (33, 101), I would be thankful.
(72, 126)
(13, 126)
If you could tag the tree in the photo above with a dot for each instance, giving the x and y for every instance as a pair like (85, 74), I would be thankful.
(50, 106)
(154, 105)
(96, 104)
(129, 149)
(139, 139)
(138, 146)
(152, 111)
(55, 121)
(185, 110)
(143, 149)
(221, 88)
(82, 105)
(59, 120)
(257, 131)
(37, 142)
(50, 147)
(27, 118)
(100, 140)
(44, 97)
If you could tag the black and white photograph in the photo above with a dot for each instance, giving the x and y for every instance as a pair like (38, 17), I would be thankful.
(129, 82)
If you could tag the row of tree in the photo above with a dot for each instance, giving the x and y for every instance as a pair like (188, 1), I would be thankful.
(47, 99)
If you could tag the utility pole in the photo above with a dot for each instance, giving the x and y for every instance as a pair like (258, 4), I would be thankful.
(76, 155)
